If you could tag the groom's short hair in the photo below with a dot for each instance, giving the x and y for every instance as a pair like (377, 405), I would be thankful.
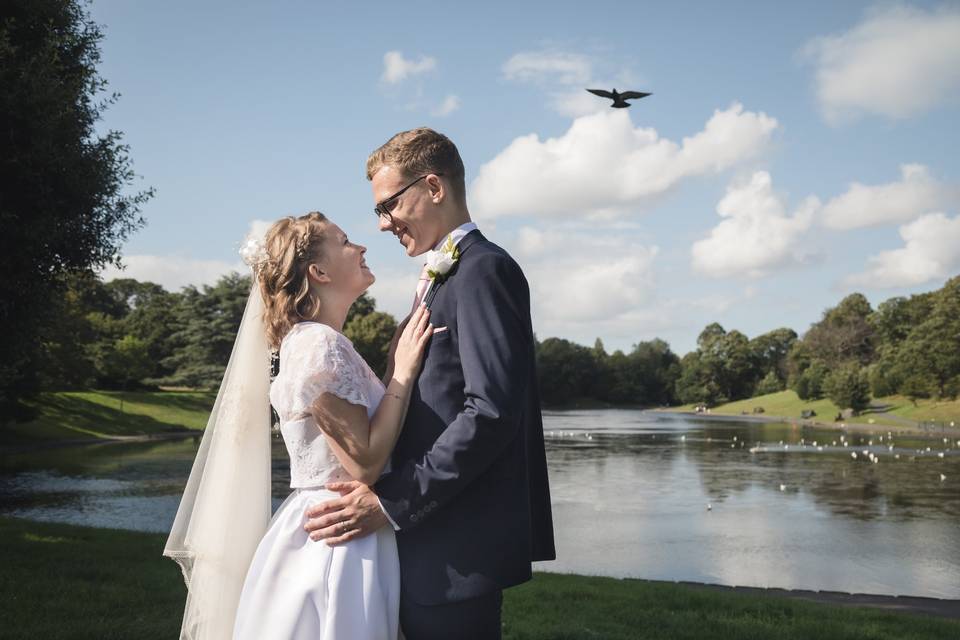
(419, 152)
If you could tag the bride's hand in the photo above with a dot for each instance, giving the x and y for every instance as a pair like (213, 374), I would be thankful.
(395, 340)
(410, 345)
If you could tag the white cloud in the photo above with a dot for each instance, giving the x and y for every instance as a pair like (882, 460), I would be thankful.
(756, 234)
(172, 272)
(576, 103)
(450, 104)
(930, 252)
(603, 165)
(579, 277)
(396, 68)
(897, 62)
(572, 72)
(862, 205)
(565, 68)
(395, 288)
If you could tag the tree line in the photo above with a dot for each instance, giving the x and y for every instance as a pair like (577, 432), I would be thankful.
(907, 345)
(127, 334)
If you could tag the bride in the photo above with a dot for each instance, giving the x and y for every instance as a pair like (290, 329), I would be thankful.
(339, 422)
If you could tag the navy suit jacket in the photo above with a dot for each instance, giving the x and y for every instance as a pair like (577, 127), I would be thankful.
(467, 482)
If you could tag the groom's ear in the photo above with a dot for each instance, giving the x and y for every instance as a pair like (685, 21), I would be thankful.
(436, 188)
(316, 274)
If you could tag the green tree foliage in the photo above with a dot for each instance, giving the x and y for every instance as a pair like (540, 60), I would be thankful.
(696, 383)
(566, 371)
(809, 385)
(771, 351)
(371, 334)
(205, 323)
(844, 334)
(726, 366)
(931, 350)
(64, 205)
(127, 361)
(771, 383)
(848, 388)
(363, 305)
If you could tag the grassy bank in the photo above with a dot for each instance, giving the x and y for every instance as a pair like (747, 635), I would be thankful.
(788, 405)
(73, 415)
(74, 582)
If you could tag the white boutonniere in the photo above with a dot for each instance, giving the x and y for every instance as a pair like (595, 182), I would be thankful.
(440, 262)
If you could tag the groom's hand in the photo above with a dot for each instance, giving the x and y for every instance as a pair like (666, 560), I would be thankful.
(356, 513)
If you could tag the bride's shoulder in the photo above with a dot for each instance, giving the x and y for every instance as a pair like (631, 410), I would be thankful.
(315, 338)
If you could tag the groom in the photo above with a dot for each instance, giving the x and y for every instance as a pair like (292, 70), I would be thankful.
(467, 488)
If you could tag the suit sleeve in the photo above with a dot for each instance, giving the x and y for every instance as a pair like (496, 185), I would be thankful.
(494, 343)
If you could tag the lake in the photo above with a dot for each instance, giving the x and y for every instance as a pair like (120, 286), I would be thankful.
(635, 494)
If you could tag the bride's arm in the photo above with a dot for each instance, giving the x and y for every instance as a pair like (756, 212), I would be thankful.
(363, 446)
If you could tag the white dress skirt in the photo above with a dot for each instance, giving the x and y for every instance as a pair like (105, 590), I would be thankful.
(297, 588)
(300, 588)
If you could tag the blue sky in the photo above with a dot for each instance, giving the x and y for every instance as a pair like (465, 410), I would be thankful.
(791, 153)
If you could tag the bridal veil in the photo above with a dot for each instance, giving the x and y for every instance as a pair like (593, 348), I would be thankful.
(225, 509)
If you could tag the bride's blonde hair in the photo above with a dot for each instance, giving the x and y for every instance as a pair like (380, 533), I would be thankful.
(292, 245)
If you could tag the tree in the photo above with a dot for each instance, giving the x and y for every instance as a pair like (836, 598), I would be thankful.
(64, 207)
(362, 306)
(695, 384)
(771, 383)
(128, 361)
(771, 351)
(848, 388)
(809, 385)
(843, 334)
(932, 349)
(656, 369)
(205, 327)
(565, 370)
(371, 335)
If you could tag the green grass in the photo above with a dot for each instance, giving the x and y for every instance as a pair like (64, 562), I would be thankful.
(925, 409)
(61, 581)
(573, 607)
(71, 415)
(787, 404)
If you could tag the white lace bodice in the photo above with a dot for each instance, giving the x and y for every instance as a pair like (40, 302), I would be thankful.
(314, 359)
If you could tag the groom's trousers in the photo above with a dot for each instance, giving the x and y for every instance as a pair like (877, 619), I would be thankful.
(473, 619)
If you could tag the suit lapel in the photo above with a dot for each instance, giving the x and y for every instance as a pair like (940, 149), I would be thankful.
(465, 243)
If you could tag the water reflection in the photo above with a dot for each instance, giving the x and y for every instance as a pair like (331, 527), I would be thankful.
(668, 497)
(788, 506)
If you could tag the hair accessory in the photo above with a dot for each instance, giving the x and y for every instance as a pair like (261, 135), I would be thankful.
(254, 252)
(303, 244)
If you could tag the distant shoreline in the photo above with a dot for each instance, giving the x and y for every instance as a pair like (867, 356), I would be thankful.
(876, 427)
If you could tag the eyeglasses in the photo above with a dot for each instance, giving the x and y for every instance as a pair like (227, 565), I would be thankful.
(385, 206)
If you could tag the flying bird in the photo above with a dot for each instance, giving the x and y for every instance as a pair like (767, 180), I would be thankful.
(619, 99)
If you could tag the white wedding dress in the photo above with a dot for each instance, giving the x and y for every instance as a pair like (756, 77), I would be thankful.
(297, 588)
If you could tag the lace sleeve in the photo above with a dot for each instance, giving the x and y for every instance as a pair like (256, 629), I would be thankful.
(323, 361)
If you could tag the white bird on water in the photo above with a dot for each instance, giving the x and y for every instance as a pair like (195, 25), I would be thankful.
(783, 487)
(853, 454)
(942, 477)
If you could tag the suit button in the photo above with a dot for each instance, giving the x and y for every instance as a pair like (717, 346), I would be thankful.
(428, 508)
(433, 505)
(414, 518)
